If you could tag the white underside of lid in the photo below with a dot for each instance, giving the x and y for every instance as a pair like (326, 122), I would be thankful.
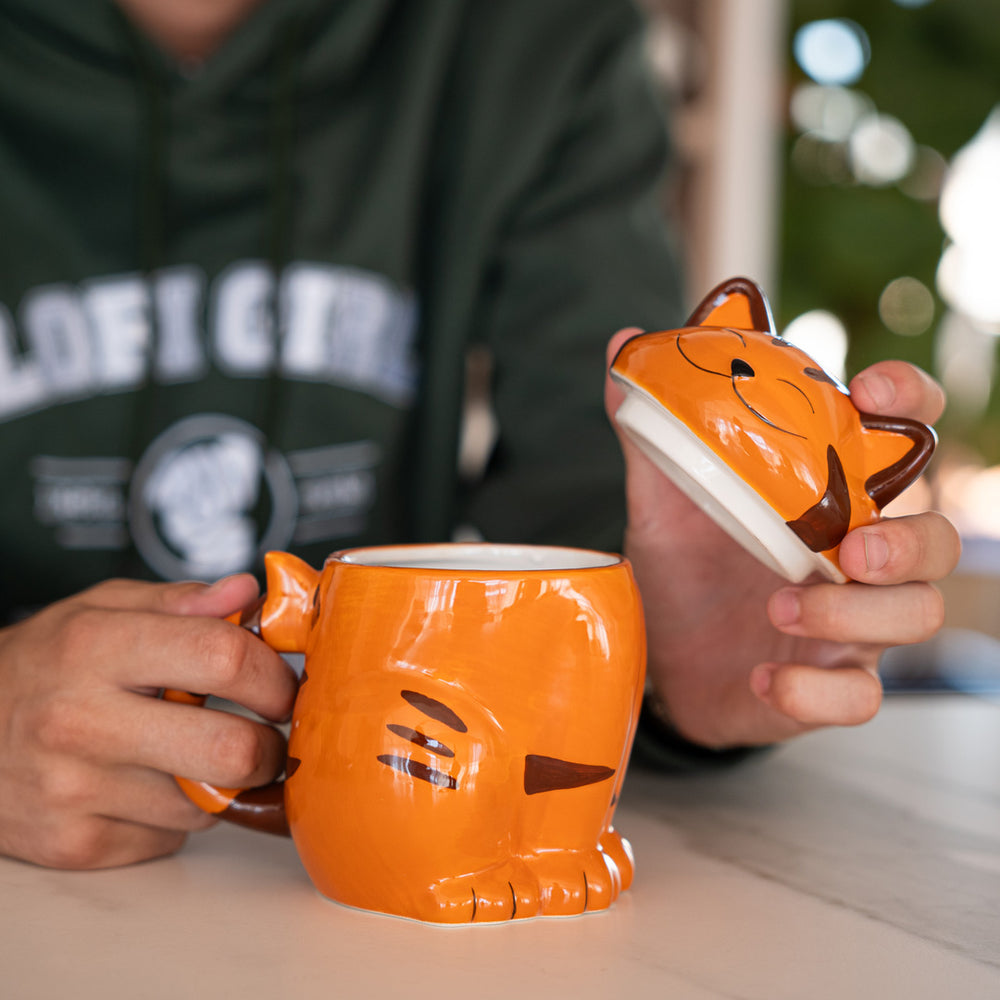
(736, 507)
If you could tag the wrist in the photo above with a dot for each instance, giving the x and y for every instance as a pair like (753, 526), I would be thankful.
(659, 744)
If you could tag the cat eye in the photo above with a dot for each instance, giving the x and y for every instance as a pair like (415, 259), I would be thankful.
(801, 392)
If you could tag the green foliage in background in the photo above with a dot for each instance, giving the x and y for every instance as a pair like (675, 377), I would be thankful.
(936, 68)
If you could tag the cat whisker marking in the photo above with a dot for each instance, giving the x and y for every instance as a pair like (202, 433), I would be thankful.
(546, 774)
(421, 740)
(434, 709)
(415, 769)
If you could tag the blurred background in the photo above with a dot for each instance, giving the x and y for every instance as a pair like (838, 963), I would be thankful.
(846, 155)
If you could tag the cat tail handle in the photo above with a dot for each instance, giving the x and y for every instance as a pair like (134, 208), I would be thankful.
(894, 476)
(281, 619)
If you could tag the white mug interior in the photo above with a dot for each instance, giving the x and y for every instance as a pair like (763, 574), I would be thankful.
(480, 557)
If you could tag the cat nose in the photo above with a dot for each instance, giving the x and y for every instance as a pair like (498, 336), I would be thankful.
(740, 369)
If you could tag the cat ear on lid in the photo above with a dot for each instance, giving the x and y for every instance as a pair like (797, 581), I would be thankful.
(896, 451)
(737, 304)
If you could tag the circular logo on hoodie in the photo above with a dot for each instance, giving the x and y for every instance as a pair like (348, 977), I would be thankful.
(208, 498)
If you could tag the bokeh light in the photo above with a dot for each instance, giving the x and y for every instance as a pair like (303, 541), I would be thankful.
(926, 176)
(965, 359)
(834, 51)
(970, 495)
(970, 200)
(970, 283)
(823, 337)
(882, 151)
(906, 306)
(968, 275)
(829, 113)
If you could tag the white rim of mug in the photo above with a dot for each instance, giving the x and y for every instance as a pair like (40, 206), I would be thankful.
(478, 557)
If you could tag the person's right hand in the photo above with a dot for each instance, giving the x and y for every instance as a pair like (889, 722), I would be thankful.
(88, 750)
(739, 657)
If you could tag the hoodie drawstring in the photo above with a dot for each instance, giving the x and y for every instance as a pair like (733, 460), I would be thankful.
(153, 141)
(152, 213)
(280, 197)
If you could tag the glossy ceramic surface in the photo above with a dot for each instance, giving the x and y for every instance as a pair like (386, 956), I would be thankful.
(461, 733)
(762, 438)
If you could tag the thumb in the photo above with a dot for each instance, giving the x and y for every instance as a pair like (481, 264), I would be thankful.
(646, 486)
(218, 600)
(614, 395)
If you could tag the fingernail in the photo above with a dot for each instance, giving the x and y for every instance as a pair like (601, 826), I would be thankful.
(881, 390)
(876, 551)
(786, 608)
(220, 583)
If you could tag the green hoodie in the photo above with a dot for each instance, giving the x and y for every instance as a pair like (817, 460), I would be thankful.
(236, 299)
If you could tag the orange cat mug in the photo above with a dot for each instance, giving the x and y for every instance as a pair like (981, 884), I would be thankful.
(460, 736)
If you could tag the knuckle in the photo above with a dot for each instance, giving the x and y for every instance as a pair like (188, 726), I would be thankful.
(925, 546)
(932, 610)
(78, 845)
(791, 697)
(942, 537)
(65, 788)
(237, 752)
(61, 726)
(868, 701)
(167, 842)
(80, 631)
(917, 544)
(225, 652)
(830, 609)
(919, 395)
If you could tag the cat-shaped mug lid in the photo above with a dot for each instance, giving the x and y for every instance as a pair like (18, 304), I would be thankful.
(756, 433)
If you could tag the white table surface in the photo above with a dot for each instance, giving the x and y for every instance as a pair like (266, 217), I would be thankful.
(850, 865)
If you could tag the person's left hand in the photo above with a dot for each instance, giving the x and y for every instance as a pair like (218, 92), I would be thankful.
(737, 656)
